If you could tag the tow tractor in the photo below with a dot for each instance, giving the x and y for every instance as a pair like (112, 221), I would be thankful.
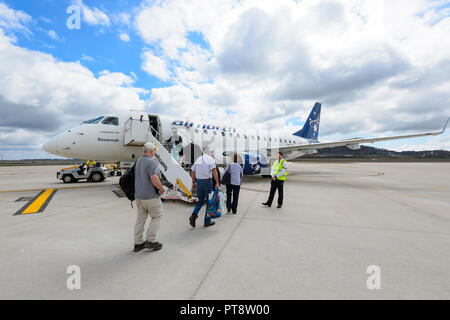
(81, 171)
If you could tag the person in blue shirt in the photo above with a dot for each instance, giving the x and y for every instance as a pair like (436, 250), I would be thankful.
(234, 187)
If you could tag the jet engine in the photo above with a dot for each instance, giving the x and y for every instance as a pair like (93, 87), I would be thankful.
(353, 146)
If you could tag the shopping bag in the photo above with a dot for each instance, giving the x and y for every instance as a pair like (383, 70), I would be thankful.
(222, 202)
(212, 208)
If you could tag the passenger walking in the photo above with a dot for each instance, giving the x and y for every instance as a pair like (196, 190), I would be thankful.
(233, 188)
(202, 171)
(278, 173)
(147, 185)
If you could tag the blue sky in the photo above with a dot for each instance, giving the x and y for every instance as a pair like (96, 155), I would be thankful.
(100, 43)
(379, 68)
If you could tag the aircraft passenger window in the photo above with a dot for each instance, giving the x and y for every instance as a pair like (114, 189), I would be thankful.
(245, 136)
(92, 121)
(111, 120)
(205, 131)
(223, 133)
(259, 138)
(270, 139)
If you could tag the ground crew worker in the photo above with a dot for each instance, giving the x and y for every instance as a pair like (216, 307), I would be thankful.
(90, 163)
(278, 173)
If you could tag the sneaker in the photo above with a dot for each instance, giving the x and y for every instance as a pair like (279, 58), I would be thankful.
(234, 212)
(211, 224)
(153, 245)
(138, 247)
(266, 204)
(228, 210)
(279, 206)
(192, 220)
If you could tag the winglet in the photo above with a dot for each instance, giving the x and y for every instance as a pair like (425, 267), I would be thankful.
(445, 126)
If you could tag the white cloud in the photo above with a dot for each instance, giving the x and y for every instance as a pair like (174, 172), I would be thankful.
(52, 34)
(117, 79)
(14, 20)
(123, 18)
(93, 16)
(124, 37)
(87, 58)
(155, 66)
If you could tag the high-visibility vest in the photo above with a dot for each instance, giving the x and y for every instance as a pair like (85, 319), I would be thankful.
(277, 167)
(90, 163)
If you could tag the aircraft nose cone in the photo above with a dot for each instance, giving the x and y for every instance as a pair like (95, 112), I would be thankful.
(50, 146)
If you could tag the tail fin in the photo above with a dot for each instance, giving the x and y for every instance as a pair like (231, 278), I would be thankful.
(310, 129)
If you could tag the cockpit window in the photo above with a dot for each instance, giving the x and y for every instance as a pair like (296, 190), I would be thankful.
(92, 121)
(111, 120)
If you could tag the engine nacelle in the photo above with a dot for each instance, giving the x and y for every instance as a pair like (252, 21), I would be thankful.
(353, 146)
(252, 162)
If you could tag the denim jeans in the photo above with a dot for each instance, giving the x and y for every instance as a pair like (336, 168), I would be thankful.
(204, 188)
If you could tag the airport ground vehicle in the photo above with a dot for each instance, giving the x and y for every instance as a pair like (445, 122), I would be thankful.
(73, 174)
(114, 169)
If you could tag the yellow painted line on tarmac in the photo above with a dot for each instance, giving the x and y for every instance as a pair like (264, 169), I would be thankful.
(38, 203)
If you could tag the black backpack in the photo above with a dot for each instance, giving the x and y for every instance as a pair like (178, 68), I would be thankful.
(126, 182)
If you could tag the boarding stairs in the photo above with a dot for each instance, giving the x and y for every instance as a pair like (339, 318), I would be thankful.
(172, 171)
(170, 168)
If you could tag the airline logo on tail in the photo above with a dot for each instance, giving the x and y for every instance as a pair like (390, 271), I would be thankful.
(310, 130)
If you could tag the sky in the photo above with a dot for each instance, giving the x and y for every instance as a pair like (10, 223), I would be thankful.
(379, 68)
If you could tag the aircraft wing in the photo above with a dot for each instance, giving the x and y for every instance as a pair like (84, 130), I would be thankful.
(355, 141)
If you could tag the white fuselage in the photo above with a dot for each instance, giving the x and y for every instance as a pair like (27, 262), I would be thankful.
(105, 140)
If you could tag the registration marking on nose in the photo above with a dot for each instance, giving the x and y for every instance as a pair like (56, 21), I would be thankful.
(38, 203)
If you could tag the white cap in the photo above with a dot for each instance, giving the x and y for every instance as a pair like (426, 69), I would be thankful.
(149, 146)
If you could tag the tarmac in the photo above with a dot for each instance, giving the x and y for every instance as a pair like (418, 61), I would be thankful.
(337, 222)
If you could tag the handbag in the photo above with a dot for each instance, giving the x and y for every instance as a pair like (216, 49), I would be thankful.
(226, 178)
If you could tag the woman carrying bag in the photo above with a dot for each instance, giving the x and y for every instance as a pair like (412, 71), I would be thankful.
(232, 178)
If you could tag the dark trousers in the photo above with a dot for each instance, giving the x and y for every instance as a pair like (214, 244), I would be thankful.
(232, 189)
(277, 184)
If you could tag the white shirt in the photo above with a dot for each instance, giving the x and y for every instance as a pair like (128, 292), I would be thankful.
(203, 167)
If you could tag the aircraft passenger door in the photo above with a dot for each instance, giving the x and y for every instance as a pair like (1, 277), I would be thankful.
(155, 126)
(136, 129)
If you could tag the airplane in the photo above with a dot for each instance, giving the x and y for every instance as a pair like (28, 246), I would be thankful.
(120, 137)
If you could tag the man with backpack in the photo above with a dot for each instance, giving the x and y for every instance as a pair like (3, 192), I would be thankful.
(147, 189)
